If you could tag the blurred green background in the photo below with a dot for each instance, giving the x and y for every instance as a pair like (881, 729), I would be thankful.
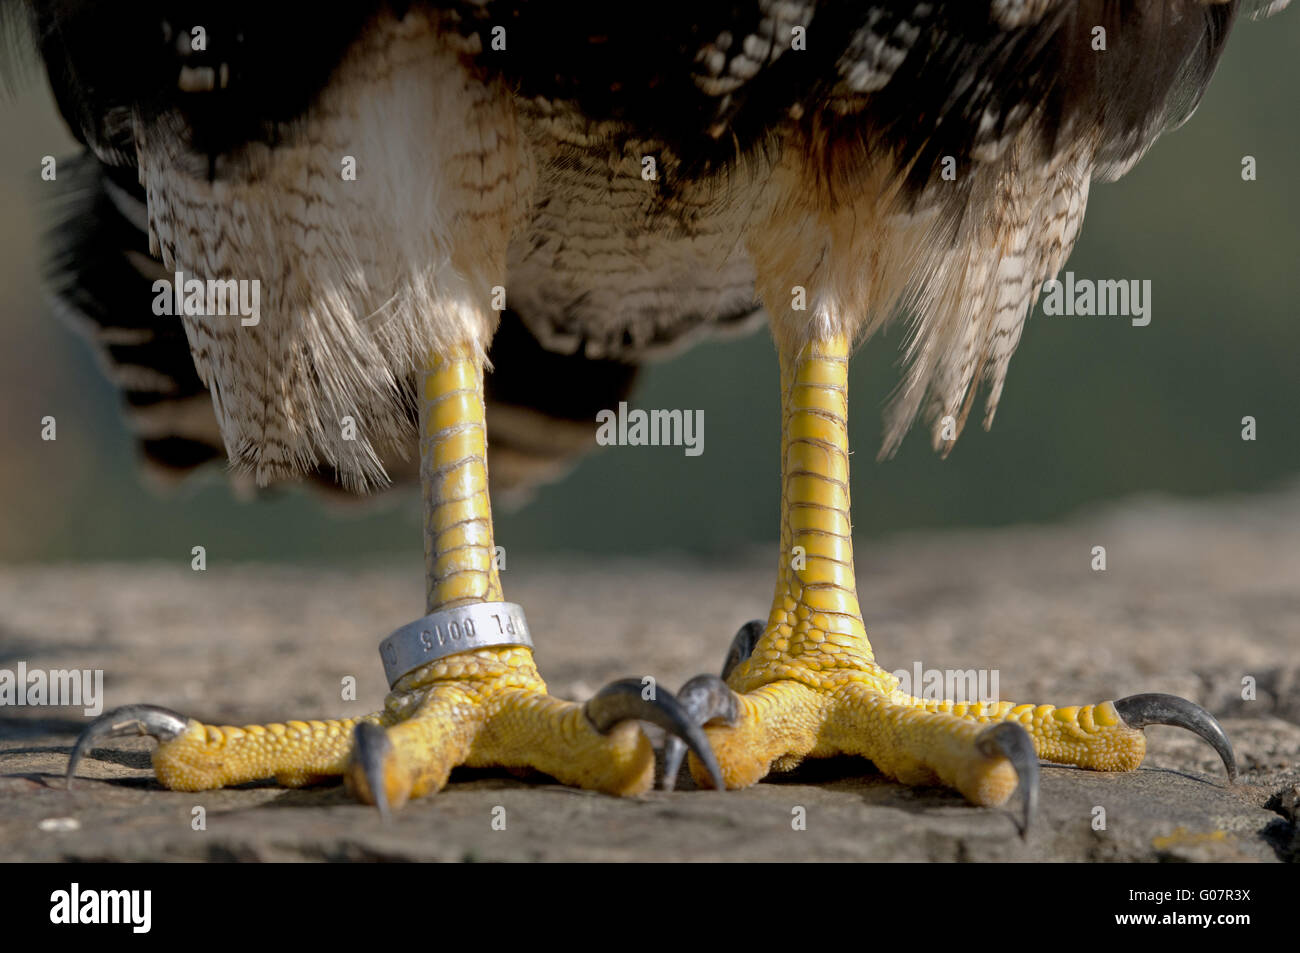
(1094, 409)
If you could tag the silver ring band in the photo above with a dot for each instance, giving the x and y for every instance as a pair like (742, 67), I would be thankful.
(449, 631)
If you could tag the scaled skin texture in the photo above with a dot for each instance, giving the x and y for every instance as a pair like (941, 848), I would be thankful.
(483, 708)
(812, 688)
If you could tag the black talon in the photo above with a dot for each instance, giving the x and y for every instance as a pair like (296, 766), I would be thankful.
(704, 697)
(161, 723)
(742, 645)
(370, 746)
(1009, 740)
(707, 697)
(1157, 708)
(623, 701)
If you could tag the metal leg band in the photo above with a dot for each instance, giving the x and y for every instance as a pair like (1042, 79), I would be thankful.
(449, 631)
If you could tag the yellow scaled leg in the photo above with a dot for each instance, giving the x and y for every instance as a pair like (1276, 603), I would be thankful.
(485, 707)
(806, 682)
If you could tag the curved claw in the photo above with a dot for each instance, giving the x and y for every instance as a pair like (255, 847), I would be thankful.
(370, 748)
(705, 697)
(161, 723)
(742, 645)
(1011, 741)
(624, 701)
(1157, 708)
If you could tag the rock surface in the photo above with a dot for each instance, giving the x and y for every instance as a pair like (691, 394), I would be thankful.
(1196, 598)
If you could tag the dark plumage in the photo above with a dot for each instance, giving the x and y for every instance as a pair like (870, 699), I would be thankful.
(877, 97)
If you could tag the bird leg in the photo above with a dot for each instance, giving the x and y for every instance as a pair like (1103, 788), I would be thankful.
(483, 707)
(490, 706)
(806, 682)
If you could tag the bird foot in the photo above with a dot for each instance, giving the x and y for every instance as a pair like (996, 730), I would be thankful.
(481, 709)
(778, 706)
